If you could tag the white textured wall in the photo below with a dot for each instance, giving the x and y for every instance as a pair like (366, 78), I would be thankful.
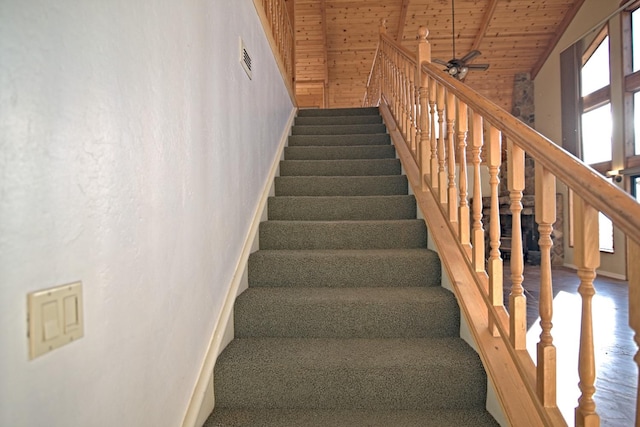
(132, 152)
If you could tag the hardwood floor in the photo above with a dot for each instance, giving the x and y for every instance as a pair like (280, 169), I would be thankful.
(617, 374)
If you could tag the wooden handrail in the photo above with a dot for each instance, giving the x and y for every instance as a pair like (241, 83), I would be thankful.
(438, 124)
(595, 189)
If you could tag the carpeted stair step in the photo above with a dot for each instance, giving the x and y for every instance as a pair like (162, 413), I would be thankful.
(336, 208)
(340, 152)
(332, 140)
(358, 167)
(344, 268)
(344, 322)
(338, 120)
(337, 129)
(400, 312)
(350, 418)
(313, 112)
(341, 185)
(393, 234)
(362, 373)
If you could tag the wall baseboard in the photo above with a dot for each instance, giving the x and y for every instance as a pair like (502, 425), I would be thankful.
(202, 402)
(599, 272)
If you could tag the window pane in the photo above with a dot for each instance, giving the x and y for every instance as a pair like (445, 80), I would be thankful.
(595, 73)
(636, 121)
(606, 233)
(596, 135)
(635, 187)
(635, 40)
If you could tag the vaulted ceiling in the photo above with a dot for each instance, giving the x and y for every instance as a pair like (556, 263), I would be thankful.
(336, 41)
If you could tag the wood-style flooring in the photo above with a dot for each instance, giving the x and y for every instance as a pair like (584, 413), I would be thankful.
(617, 373)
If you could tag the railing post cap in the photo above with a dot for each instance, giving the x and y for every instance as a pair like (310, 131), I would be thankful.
(423, 32)
(383, 26)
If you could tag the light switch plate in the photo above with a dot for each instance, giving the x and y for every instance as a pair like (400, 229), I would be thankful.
(55, 318)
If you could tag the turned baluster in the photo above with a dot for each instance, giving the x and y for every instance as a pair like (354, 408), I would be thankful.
(424, 55)
(433, 142)
(402, 118)
(477, 138)
(425, 133)
(442, 172)
(452, 191)
(463, 210)
(495, 260)
(587, 259)
(546, 351)
(415, 110)
(410, 98)
(633, 268)
(517, 299)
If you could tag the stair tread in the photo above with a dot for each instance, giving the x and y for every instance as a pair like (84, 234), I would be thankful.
(341, 167)
(342, 207)
(327, 353)
(341, 185)
(340, 140)
(344, 267)
(402, 373)
(338, 152)
(346, 312)
(343, 234)
(348, 418)
(338, 129)
(338, 120)
(338, 111)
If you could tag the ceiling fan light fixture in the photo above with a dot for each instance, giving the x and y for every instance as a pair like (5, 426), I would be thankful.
(462, 73)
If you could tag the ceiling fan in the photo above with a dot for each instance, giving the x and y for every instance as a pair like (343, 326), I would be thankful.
(459, 67)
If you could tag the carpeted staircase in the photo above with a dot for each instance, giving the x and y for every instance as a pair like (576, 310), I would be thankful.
(345, 322)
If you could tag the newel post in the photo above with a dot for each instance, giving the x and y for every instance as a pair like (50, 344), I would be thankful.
(383, 26)
(424, 55)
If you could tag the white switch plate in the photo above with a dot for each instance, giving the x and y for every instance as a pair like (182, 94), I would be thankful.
(55, 318)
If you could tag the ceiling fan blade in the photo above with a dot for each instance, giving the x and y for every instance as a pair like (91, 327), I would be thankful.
(469, 56)
(440, 61)
(478, 66)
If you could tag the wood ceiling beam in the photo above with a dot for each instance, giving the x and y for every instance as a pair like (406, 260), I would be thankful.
(484, 26)
(568, 17)
(403, 19)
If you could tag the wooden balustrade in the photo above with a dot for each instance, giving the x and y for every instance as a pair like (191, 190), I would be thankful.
(441, 122)
(277, 23)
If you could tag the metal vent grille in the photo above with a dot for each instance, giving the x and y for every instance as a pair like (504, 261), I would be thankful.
(245, 59)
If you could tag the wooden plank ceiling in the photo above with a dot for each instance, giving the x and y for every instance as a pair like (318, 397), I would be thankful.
(336, 41)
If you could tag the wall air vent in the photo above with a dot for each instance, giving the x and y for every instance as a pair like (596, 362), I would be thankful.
(245, 59)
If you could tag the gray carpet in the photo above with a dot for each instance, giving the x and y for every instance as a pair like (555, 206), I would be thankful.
(345, 322)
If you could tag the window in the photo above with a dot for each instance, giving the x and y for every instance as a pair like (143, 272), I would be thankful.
(595, 68)
(596, 121)
(596, 101)
(596, 135)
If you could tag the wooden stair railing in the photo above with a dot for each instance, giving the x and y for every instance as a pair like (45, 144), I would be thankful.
(278, 27)
(434, 121)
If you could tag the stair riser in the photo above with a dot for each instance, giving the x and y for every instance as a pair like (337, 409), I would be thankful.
(340, 167)
(344, 269)
(346, 313)
(337, 140)
(311, 112)
(338, 120)
(338, 153)
(338, 129)
(340, 186)
(341, 208)
(342, 235)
